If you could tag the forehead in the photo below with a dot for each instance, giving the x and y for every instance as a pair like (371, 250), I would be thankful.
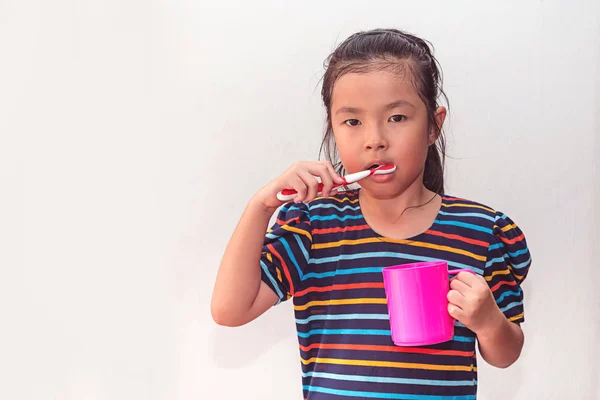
(374, 89)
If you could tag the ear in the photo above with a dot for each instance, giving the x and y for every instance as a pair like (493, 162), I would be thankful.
(440, 117)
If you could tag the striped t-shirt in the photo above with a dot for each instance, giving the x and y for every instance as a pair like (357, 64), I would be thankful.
(325, 256)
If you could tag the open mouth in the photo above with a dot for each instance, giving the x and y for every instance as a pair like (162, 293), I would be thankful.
(378, 164)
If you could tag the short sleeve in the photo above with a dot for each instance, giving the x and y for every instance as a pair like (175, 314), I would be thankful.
(507, 265)
(285, 251)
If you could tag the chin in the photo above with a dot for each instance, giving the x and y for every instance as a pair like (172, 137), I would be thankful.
(382, 191)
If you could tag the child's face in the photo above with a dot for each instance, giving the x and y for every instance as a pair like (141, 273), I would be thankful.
(377, 118)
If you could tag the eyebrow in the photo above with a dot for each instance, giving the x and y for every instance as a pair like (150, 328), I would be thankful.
(355, 110)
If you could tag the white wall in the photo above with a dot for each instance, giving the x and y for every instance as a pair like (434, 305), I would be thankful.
(133, 133)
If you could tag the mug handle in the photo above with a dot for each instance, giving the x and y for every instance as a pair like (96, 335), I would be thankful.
(456, 271)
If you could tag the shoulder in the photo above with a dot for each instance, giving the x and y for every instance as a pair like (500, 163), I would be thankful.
(458, 205)
(343, 203)
(495, 222)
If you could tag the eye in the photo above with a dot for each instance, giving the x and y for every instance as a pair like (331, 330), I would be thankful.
(352, 122)
(397, 118)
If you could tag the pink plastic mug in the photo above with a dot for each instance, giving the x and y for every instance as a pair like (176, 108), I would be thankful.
(417, 302)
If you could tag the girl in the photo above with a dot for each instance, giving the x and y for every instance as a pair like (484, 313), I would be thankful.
(381, 91)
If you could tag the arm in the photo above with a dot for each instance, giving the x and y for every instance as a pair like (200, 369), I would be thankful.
(502, 343)
(494, 306)
(239, 296)
(472, 303)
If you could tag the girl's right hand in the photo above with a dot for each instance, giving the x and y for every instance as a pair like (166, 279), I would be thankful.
(302, 177)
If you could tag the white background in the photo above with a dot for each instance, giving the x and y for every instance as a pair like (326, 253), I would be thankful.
(134, 132)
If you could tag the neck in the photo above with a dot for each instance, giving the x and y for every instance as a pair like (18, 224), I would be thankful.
(391, 208)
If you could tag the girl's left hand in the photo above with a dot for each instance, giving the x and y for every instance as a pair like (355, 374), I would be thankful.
(473, 304)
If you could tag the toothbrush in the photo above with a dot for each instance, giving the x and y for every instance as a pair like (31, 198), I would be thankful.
(289, 194)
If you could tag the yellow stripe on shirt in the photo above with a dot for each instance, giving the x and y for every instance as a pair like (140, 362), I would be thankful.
(345, 199)
(504, 272)
(516, 317)
(398, 241)
(298, 231)
(509, 227)
(390, 364)
(468, 206)
(270, 259)
(499, 272)
(519, 277)
(339, 302)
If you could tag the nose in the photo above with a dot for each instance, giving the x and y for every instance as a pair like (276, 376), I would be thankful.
(375, 139)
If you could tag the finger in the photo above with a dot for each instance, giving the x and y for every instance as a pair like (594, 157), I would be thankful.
(456, 312)
(336, 177)
(327, 180)
(456, 298)
(324, 173)
(459, 286)
(299, 186)
(312, 185)
(468, 278)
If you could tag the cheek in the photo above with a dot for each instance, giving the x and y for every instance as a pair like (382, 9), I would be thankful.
(347, 150)
(414, 147)
(348, 158)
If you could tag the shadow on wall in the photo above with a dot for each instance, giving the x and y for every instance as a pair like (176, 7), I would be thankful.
(241, 346)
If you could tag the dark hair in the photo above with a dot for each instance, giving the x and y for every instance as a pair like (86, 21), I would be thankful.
(389, 49)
